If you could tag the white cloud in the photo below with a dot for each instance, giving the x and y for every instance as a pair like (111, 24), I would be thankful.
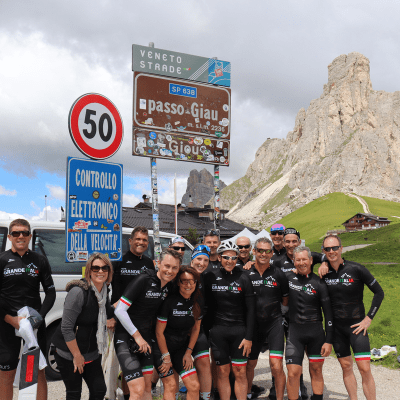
(47, 214)
(9, 216)
(6, 192)
(57, 192)
(130, 200)
(166, 189)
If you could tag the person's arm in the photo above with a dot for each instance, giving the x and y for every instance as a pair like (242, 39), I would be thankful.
(47, 282)
(250, 302)
(72, 308)
(379, 294)
(162, 345)
(194, 334)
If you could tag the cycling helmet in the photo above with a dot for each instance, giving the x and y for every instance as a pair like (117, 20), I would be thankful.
(201, 250)
(227, 245)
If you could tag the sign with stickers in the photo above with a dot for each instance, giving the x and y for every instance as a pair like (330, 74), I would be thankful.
(181, 65)
(177, 106)
(176, 146)
(94, 209)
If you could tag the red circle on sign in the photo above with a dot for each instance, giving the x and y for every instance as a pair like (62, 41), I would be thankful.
(76, 134)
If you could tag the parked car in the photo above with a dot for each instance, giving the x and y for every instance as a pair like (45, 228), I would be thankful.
(48, 239)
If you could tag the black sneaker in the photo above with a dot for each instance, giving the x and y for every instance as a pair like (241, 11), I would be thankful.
(257, 389)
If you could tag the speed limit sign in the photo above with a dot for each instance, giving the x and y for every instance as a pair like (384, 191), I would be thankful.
(95, 126)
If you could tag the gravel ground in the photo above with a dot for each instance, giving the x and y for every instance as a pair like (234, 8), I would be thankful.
(385, 379)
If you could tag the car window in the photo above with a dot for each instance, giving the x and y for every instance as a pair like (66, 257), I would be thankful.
(51, 243)
(3, 239)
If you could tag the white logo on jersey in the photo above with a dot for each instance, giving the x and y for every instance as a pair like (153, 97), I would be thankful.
(179, 304)
(11, 259)
(219, 279)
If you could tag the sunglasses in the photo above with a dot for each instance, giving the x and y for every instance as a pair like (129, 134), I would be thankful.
(212, 232)
(178, 248)
(187, 281)
(234, 258)
(18, 233)
(280, 233)
(244, 246)
(96, 268)
(333, 248)
(262, 251)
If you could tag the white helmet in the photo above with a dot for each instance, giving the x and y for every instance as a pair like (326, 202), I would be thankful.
(227, 245)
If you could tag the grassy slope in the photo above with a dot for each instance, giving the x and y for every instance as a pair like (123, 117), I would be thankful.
(326, 213)
(383, 208)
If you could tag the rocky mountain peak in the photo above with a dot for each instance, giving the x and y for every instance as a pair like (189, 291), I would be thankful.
(347, 140)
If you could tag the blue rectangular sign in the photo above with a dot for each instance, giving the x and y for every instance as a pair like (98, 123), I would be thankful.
(183, 90)
(94, 209)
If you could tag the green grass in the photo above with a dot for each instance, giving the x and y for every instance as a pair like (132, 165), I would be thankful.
(325, 213)
(383, 208)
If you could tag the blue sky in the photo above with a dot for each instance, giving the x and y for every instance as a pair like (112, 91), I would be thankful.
(54, 52)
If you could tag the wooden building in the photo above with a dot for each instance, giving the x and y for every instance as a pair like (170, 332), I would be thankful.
(363, 221)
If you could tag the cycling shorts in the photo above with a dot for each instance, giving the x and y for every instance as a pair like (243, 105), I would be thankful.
(311, 335)
(10, 345)
(133, 365)
(225, 341)
(202, 346)
(273, 333)
(344, 338)
(176, 352)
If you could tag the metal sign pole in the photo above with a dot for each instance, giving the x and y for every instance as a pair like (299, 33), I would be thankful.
(154, 207)
(216, 197)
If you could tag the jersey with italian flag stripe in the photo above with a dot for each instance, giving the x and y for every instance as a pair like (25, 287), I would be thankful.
(144, 296)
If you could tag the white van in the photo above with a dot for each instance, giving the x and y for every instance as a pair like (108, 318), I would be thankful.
(48, 239)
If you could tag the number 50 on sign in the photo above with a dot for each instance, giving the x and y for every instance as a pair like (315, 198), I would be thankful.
(95, 126)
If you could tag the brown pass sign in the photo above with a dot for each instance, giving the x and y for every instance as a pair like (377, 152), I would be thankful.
(175, 146)
(180, 106)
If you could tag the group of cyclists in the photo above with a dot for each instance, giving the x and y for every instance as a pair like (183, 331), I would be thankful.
(207, 322)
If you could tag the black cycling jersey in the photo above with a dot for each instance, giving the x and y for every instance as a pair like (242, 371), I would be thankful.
(278, 254)
(286, 264)
(269, 289)
(307, 294)
(144, 296)
(346, 290)
(230, 299)
(20, 279)
(127, 269)
(212, 266)
(177, 313)
(240, 263)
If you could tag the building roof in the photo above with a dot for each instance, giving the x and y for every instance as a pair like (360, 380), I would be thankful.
(370, 216)
(142, 215)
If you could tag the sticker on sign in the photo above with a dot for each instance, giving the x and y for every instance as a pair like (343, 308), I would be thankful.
(95, 126)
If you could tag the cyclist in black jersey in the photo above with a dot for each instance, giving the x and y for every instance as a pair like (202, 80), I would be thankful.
(133, 262)
(177, 330)
(346, 280)
(201, 351)
(136, 311)
(276, 233)
(21, 273)
(230, 298)
(307, 294)
(271, 288)
(212, 240)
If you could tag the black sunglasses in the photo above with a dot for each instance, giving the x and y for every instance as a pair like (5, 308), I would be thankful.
(178, 248)
(96, 268)
(334, 248)
(244, 246)
(262, 251)
(212, 232)
(280, 233)
(18, 233)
